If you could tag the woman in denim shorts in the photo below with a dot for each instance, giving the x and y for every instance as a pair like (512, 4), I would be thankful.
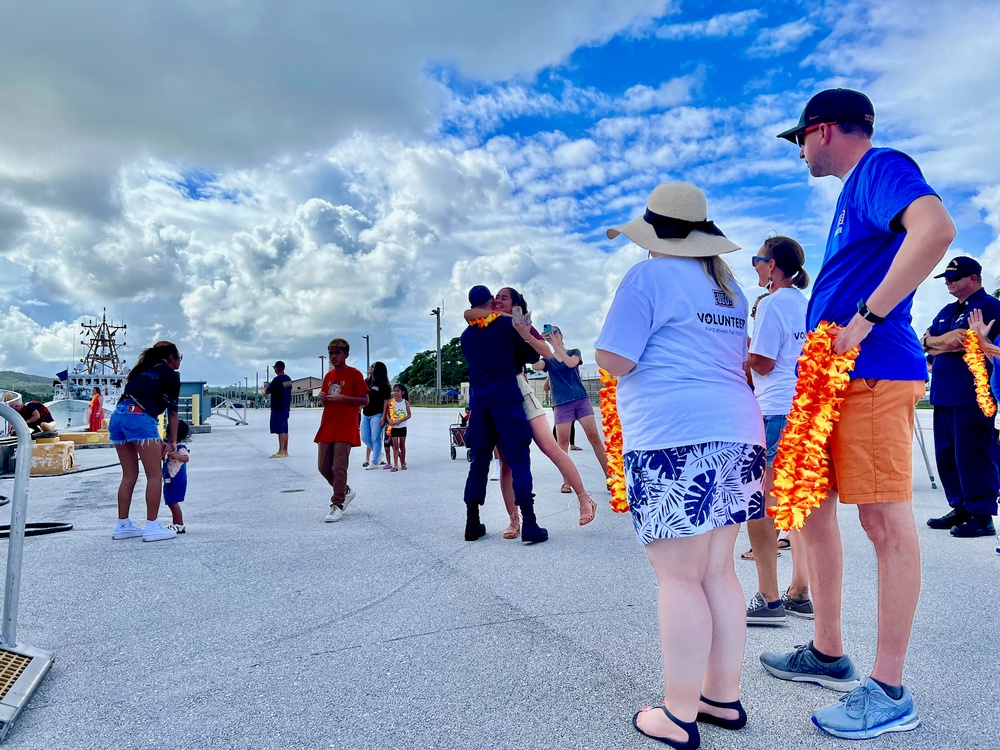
(675, 337)
(152, 387)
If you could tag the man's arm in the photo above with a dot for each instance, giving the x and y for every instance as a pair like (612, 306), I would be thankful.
(929, 231)
(614, 364)
(760, 364)
(952, 341)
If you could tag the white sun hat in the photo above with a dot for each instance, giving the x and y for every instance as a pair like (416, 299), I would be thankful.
(676, 223)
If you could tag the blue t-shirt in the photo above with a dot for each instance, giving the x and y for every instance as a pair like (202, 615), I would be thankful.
(564, 381)
(952, 384)
(863, 241)
(280, 390)
(495, 355)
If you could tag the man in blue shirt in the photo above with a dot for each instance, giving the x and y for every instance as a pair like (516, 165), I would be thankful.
(495, 354)
(889, 231)
(964, 442)
(280, 390)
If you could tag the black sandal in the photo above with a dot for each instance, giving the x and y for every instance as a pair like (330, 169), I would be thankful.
(691, 727)
(738, 723)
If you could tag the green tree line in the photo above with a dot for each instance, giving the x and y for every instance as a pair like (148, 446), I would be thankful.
(422, 370)
(31, 387)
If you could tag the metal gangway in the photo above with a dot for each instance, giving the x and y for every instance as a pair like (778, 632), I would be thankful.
(227, 405)
(21, 667)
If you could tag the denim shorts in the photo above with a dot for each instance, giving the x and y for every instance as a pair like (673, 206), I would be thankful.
(124, 427)
(573, 411)
(773, 425)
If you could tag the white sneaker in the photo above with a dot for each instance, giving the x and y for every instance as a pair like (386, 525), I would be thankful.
(177, 528)
(334, 515)
(371, 467)
(155, 532)
(495, 471)
(350, 496)
(126, 530)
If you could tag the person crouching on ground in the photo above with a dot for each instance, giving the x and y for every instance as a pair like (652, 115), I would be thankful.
(675, 336)
(343, 394)
(495, 354)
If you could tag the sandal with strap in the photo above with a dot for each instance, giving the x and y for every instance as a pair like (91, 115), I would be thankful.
(565, 489)
(738, 723)
(691, 727)
(514, 530)
(587, 516)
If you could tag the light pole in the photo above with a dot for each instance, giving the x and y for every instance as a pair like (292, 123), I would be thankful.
(246, 387)
(368, 355)
(436, 312)
(322, 371)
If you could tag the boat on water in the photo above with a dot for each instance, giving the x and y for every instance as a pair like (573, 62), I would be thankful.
(102, 367)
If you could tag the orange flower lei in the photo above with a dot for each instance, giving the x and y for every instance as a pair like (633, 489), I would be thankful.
(613, 442)
(483, 322)
(801, 466)
(976, 361)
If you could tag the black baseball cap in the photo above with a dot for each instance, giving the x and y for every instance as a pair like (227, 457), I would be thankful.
(279, 365)
(833, 105)
(960, 267)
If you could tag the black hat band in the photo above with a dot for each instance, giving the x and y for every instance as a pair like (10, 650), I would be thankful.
(668, 228)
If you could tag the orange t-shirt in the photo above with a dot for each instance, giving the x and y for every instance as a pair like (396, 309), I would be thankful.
(339, 423)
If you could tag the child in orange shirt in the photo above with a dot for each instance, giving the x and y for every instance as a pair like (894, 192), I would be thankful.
(344, 392)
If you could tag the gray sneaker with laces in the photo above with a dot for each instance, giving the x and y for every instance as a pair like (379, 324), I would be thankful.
(801, 665)
(798, 607)
(758, 613)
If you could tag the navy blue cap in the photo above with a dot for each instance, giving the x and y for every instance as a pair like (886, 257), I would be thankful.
(960, 267)
(480, 296)
(833, 105)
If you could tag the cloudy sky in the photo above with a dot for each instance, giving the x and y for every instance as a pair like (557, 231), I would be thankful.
(252, 177)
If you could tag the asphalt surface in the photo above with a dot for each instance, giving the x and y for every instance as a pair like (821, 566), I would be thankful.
(264, 627)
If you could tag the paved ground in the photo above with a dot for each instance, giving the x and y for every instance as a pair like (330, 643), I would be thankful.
(265, 628)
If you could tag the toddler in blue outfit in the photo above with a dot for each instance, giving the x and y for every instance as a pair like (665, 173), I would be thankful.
(175, 478)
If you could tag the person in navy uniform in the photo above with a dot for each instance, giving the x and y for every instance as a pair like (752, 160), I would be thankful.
(964, 441)
(495, 354)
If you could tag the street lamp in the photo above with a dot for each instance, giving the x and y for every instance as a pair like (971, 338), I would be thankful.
(368, 356)
(436, 312)
(322, 369)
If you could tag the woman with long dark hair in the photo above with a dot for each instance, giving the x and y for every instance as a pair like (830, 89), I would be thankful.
(379, 391)
(152, 388)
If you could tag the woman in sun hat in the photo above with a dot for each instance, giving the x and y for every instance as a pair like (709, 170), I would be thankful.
(675, 336)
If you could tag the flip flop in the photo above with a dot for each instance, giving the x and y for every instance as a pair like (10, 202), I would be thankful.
(784, 544)
(565, 489)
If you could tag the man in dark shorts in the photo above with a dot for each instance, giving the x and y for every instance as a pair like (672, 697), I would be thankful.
(280, 390)
(964, 443)
(889, 231)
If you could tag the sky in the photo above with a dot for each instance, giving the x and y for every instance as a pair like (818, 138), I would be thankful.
(250, 178)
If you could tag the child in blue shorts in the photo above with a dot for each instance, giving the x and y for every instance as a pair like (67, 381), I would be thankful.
(175, 478)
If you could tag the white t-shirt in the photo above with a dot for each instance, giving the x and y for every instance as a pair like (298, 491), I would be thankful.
(689, 342)
(779, 332)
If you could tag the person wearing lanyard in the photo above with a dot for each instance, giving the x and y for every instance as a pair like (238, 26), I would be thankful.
(964, 444)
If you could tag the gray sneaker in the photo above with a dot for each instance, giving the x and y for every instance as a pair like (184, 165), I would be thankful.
(334, 515)
(801, 665)
(758, 613)
(348, 497)
(798, 607)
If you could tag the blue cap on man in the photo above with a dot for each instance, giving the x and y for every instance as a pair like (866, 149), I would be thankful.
(480, 296)
(960, 267)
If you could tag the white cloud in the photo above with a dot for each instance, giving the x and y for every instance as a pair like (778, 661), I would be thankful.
(781, 39)
(723, 25)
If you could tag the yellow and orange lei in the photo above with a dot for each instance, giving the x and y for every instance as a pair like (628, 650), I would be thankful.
(613, 442)
(976, 361)
(801, 466)
(483, 322)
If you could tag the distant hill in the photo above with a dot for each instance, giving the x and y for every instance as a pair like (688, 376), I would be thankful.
(32, 387)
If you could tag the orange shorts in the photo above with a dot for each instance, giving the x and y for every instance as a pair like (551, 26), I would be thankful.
(871, 447)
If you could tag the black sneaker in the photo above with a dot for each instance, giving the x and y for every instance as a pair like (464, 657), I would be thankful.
(954, 517)
(975, 526)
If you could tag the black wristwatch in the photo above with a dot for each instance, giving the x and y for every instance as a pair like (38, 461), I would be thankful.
(868, 315)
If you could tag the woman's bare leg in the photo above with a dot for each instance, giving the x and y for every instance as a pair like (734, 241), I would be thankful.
(128, 457)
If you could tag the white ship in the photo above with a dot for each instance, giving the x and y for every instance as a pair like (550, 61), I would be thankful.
(101, 367)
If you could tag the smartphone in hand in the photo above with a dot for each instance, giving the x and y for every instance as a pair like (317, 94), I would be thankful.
(547, 330)
(517, 315)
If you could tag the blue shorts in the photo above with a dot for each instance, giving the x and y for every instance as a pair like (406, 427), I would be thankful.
(279, 423)
(773, 425)
(131, 427)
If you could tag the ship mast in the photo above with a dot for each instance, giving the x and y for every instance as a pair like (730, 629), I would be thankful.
(102, 349)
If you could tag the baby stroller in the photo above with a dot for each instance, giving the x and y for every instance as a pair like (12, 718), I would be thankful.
(456, 434)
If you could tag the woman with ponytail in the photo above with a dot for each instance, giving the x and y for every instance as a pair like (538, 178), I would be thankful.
(779, 332)
(152, 388)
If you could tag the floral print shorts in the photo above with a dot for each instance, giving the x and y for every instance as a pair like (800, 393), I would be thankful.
(691, 489)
